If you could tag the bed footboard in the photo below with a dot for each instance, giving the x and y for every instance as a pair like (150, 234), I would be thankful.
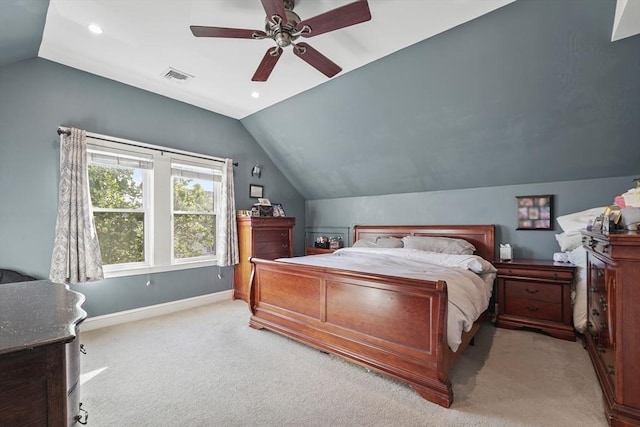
(395, 326)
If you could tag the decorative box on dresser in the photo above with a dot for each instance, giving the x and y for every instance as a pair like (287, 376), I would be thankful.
(263, 237)
(536, 294)
(613, 329)
(40, 355)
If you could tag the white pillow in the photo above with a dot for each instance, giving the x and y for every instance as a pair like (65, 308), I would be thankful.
(569, 240)
(579, 220)
(439, 244)
(389, 242)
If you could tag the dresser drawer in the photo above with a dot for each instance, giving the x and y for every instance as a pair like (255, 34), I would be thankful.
(538, 274)
(271, 247)
(601, 247)
(532, 291)
(281, 235)
(534, 309)
(274, 255)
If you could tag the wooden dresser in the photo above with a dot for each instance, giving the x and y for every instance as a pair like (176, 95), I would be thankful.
(40, 355)
(536, 294)
(260, 237)
(613, 334)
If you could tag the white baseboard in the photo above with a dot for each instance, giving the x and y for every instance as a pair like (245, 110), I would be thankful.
(120, 317)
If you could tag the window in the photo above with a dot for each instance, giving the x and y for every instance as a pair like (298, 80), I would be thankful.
(153, 210)
(193, 215)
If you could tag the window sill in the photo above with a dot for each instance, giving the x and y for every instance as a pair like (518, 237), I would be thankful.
(159, 269)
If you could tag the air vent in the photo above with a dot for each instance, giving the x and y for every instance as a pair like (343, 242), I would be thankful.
(176, 76)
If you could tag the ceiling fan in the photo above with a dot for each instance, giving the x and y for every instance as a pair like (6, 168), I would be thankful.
(284, 26)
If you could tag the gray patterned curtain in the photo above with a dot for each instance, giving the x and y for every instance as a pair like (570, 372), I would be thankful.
(227, 229)
(76, 254)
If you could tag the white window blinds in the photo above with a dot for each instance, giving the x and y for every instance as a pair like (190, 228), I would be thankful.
(195, 170)
(119, 157)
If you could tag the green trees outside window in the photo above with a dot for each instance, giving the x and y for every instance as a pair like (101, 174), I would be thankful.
(117, 199)
(193, 218)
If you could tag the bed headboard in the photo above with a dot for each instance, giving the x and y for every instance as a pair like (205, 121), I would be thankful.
(481, 236)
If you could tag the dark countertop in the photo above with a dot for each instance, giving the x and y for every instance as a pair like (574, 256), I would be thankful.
(37, 313)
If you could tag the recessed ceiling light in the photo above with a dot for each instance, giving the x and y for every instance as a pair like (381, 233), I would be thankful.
(255, 94)
(95, 29)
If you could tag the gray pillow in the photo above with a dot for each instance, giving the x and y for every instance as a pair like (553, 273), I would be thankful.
(446, 245)
(364, 243)
(389, 242)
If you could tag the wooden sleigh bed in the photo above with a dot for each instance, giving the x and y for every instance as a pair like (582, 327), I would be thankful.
(396, 326)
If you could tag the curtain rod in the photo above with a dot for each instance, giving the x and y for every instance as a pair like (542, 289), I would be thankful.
(67, 131)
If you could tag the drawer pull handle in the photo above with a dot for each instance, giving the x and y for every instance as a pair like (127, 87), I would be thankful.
(610, 370)
(532, 291)
(532, 308)
(603, 325)
(285, 245)
(555, 276)
(284, 234)
(595, 312)
(82, 349)
(602, 350)
(83, 414)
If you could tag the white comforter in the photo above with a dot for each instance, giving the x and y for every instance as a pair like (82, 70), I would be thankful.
(469, 278)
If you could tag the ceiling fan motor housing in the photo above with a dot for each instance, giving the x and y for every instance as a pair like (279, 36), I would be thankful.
(286, 34)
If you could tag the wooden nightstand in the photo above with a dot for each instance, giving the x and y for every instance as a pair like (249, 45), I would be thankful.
(310, 250)
(536, 294)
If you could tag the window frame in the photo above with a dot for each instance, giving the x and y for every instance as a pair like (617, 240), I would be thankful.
(158, 196)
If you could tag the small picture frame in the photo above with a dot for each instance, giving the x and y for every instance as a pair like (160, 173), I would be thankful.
(278, 210)
(256, 191)
(535, 212)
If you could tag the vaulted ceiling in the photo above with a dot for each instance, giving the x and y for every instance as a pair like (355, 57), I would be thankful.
(451, 95)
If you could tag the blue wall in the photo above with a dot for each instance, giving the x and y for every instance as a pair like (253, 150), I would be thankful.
(488, 205)
(36, 96)
(521, 95)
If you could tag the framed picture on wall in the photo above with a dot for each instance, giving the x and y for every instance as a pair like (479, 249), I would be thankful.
(256, 191)
(535, 212)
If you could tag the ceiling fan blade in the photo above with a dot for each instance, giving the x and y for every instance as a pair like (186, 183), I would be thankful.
(275, 7)
(350, 14)
(316, 59)
(266, 65)
(231, 33)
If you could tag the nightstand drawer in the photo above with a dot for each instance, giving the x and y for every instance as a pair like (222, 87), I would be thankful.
(534, 309)
(532, 291)
(537, 274)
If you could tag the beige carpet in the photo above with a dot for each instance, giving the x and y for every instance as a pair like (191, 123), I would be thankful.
(206, 367)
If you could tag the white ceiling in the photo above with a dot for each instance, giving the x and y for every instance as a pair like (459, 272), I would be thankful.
(142, 38)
